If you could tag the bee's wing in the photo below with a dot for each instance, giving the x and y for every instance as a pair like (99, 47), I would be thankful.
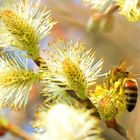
(123, 63)
(126, 64)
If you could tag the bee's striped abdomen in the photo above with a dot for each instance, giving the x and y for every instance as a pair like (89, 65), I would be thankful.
(131, 92)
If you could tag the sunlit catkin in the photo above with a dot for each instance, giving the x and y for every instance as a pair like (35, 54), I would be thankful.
(110, 102)
(23, 25)
(16, 81)
(72, 66)
(66, 123)
(130, 9)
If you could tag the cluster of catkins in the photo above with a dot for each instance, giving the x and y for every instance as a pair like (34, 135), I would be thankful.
(66, 73)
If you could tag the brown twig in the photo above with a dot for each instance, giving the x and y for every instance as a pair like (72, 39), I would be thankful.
(6, 126)
(18, 132)
(123, 132)
(111, 9)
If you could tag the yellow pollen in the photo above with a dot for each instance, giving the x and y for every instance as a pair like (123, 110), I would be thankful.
(104, 101)
(66, 62)
(70, 69)
(75, 77)
(8, 13)
(26, 37)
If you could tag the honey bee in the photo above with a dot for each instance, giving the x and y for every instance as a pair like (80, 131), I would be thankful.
(129, 84)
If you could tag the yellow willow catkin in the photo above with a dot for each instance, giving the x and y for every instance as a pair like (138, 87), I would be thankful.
(72, 67)
(16, 77)
(23, 24)
(75, 77)
(130, 9)
(25, 35)
(110, 103)
(16, 81)
(15, 86)
(62, 122)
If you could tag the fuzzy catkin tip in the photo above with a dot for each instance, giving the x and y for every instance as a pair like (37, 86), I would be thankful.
(110, 103)
(130, 9)
(75, 77)
(25, 36)
(23, 25)
(64, 122)
(16, 81)
(72, 66)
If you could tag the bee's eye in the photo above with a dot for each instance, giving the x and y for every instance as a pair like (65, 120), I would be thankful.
(127, 72)
(118, 70)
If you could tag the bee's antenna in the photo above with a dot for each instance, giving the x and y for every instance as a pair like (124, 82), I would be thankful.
(136, 75)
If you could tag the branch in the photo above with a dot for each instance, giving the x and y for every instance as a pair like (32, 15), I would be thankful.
(18, 132)
(6, 126)
(123, 132)
(110, 10)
